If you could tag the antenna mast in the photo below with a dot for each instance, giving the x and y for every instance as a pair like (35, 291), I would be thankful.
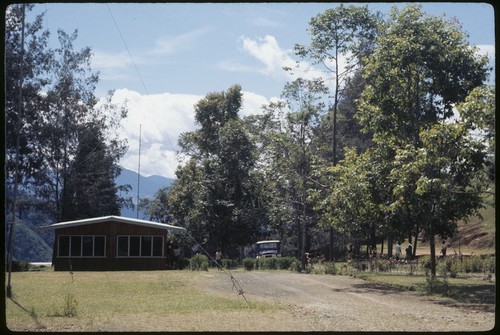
(139, 169)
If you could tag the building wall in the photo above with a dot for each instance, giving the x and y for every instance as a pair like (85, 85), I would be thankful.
(110, 262)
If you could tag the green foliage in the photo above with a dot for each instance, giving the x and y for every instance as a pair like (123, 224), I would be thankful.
(20, 266)
(330, 268)
(69, 307)
(249, 263)
(214, 195)
(229, 263)
(435, 285)
(199, 262)
(285, 263)
(267, 263)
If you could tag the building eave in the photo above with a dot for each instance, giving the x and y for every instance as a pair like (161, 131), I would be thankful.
(121, 219)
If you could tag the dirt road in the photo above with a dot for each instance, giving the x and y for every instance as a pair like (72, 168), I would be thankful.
(341, 303)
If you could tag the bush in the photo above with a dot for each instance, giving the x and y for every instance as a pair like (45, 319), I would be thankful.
(249, 263)
(229, 263)
(295, 266)
(330, 268)
(182, 263)
(267, 263)
(199, 262)
(20, 266)
(285, 263)
(434, 285)
(489, 264)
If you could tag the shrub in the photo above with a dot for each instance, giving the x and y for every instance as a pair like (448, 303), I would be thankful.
(285, 263)
(295, 266)
(268, 263)
(249, 263)
(199, 262)
(20, 266)
(70, 304)
(330, 268)
(434, 285)
(182, 263)
(229, 263)
(489, 264)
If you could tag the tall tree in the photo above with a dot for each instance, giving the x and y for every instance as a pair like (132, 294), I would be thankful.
(27, 65)
(90, 186)
(221, 160)
(340, 38)
(422, 66)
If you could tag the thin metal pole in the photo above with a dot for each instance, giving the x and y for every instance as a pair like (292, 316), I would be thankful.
(139, 169)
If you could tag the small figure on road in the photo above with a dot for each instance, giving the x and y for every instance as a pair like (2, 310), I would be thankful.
(218, 259)
(443, 248)
(408, 251)
(398, 250)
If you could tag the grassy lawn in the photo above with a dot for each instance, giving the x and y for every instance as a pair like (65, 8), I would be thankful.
(127, 301)
(464, 289)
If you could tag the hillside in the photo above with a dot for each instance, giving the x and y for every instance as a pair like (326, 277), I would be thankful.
(148, 186)
(35, 246)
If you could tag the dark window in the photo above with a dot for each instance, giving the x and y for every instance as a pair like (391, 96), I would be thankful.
(99, 246)
(140, 246)
(122, 246)
(157, 246)
(76, 246)
(64, 246)
(88, 246)
(146, 243)
(135, 246)
(82, 246)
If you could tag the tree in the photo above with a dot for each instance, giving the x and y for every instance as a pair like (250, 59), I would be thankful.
(214, 194)
(26, 70)
(90, 186)
(340, 38)
(422, 67)
(441, 180)
(288, 153)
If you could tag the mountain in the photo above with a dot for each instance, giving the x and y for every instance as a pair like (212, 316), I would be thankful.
(148, 186)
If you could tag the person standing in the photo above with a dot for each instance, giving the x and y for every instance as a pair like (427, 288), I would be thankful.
(218, 259)
(398, 250)
(408, 251)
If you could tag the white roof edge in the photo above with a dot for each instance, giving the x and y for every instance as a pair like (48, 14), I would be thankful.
(111, 218)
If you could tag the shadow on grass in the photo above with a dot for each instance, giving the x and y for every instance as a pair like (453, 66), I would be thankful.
(476, 297)
(31, 313)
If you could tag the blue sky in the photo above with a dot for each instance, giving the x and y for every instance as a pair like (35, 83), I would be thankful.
(183, 51)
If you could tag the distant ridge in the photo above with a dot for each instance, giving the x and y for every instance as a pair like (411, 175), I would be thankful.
(147, 188)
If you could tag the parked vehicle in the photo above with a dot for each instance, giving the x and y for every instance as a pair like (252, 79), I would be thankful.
(269, 248)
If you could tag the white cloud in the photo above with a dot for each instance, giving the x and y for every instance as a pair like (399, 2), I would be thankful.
(268, 52)
(160, 119)
(487, 49)
(170, 44)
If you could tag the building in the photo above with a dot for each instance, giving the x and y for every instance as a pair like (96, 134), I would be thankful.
(110, 243)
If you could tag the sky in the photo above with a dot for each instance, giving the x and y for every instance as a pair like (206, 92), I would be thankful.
(162, 58)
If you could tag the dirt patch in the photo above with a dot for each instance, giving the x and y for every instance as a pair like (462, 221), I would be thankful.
(342, 303)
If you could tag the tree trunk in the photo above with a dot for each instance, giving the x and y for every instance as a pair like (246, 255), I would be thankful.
(432, 245)
(389, 245)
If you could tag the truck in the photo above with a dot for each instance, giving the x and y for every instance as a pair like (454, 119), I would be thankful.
(269, 248)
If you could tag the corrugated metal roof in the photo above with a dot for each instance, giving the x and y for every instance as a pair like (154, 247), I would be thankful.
(121, 219)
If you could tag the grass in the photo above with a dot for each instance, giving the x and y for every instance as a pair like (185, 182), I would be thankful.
(472, 289)
(128, 301)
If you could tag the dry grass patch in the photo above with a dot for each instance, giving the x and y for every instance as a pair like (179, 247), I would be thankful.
(122, 301)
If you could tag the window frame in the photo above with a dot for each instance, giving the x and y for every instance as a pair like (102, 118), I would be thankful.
(152, 239)
(69, 250)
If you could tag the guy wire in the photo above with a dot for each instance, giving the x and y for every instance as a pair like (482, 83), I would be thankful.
(236, 284)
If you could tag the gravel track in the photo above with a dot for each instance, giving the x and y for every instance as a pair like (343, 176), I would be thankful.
(343, 303)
